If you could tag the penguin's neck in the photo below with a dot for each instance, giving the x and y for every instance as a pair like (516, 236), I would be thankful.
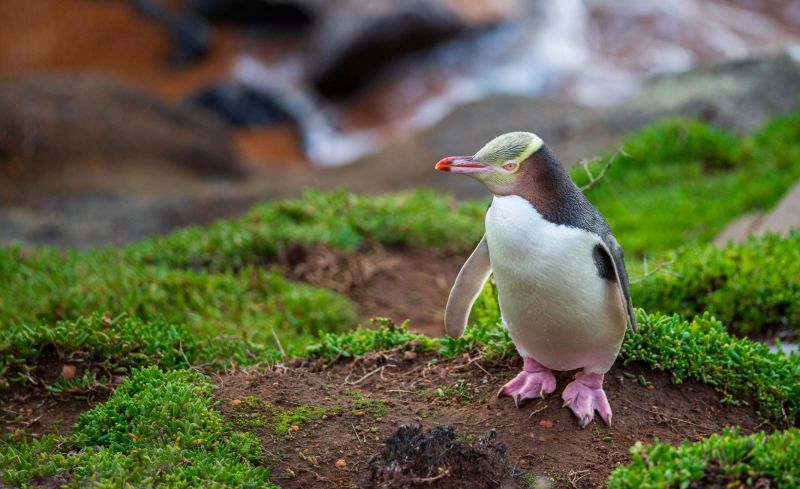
(548, 187)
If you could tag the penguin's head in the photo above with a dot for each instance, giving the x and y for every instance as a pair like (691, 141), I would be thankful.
(499, 164)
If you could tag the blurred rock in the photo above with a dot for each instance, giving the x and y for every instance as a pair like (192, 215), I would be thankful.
(272, 13)
(739, 96)
(356, 39)
(780, 220)
(51, 124)
(241, 104)
(190, 36)
(108, 134)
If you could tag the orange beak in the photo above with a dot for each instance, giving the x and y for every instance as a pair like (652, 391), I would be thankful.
(461, 164)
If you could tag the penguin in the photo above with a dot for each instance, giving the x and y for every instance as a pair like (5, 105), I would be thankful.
(561, 279)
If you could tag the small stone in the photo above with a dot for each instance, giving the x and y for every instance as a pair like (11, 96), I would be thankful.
(235, 402)
(546, 423)
(69, 371)
(341, 464)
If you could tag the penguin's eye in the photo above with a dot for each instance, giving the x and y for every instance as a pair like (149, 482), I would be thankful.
(510, 166)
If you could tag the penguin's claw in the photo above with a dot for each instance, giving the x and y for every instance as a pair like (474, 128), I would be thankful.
(584, 396)
(529, 384)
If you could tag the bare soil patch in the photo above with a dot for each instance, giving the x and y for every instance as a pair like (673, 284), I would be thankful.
(367, 400)
(37, 412)
(397, 283)
(32, 408)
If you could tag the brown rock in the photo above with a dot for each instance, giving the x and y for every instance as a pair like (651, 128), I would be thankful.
(780, 220)
(356, 39)
(50, 123)
(69, 371)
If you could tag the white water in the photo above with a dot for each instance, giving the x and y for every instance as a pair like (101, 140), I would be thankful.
(596, 52)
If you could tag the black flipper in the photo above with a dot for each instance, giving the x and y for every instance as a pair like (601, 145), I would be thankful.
(610, 253)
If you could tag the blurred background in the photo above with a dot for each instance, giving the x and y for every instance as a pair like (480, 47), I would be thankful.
(126, 118)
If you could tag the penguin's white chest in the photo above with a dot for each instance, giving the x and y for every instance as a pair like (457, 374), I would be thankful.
(557, 308)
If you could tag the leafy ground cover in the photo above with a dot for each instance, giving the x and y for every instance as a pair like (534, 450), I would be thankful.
(157, 429)
(722, 460)
(751, 287)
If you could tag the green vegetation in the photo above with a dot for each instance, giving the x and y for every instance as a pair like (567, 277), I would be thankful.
(738, 368)
(108, 345)
(680, 181)
(749, 286)
(255, 413)
(726, 460)
(157, 429)
(361, 341)
(45, 286)
(338, 219)
(374, 407)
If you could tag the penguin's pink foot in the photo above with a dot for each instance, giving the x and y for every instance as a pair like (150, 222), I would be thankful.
(534, 381)
(585, 395)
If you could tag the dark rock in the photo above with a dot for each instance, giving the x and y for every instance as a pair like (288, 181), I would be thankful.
(438, 458)
(51, 124)
(356, 39)
(241, 104)
(190, 36)
(269, 13)
(739, 96)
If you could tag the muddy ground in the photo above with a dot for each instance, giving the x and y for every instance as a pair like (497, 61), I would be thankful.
(366, 400)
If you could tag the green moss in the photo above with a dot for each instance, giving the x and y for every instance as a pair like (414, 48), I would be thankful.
(157, 429)
(750, 286)
(722, 460)
(284, 419)
(460, 391)
(255, 413)
(374, 407)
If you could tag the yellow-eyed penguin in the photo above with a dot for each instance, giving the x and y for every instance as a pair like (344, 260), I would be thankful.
(561, 278)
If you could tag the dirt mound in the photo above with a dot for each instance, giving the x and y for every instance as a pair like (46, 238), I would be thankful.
(397, 283)
(365, 401)
(412, 458)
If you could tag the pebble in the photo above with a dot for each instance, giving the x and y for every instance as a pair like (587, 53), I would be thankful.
(69, 371)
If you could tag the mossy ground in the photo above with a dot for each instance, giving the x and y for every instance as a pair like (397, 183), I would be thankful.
(214, 298)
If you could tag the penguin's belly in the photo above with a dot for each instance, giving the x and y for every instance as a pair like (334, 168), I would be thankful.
(557, 308)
